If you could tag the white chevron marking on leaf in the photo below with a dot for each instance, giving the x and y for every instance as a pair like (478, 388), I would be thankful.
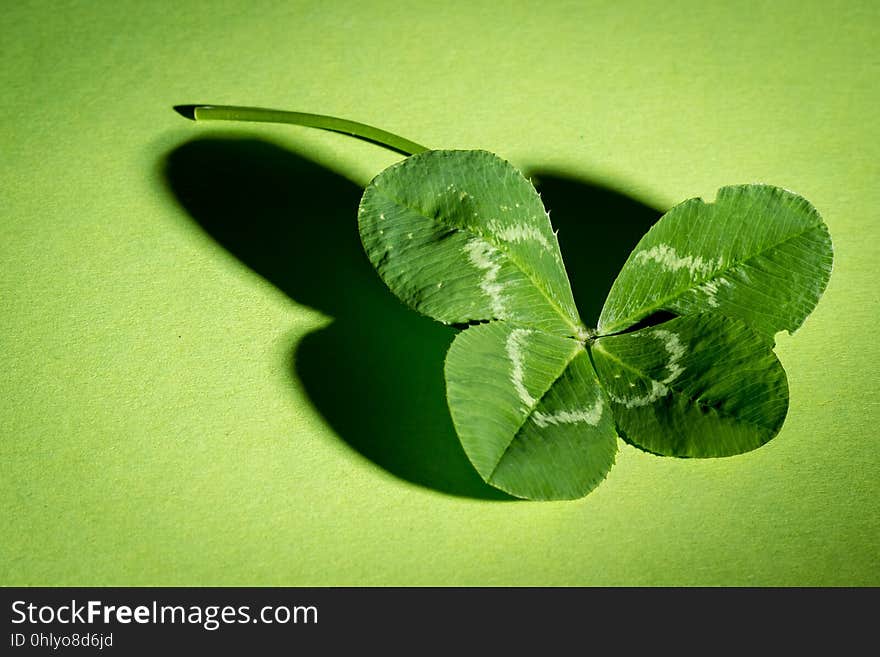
(520, 233)
(589, 416)
(481, 254)
(517, 375)
(710, 289)
(668, 258)
(658, 390)
(676, 351)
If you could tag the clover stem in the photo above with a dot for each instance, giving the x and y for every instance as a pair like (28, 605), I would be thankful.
(353, 128)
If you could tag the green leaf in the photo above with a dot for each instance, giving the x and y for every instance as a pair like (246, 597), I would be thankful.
(462, 236)
(703, 385)
(758, 253)
(529, 411)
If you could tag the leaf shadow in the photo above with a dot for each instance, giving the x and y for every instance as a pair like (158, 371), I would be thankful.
(375, 373)
(598, 228)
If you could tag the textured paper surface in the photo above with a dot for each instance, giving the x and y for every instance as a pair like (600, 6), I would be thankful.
(156, 424)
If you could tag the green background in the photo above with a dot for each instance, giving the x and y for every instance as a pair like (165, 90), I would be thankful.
(203, 384)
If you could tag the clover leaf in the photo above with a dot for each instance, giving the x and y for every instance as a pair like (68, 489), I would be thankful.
(758, 253)
(462, 236)
(538, 399)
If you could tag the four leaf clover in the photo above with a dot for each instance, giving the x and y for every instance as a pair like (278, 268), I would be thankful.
(537, 398)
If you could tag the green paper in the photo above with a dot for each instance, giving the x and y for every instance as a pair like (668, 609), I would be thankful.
(182, 404)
